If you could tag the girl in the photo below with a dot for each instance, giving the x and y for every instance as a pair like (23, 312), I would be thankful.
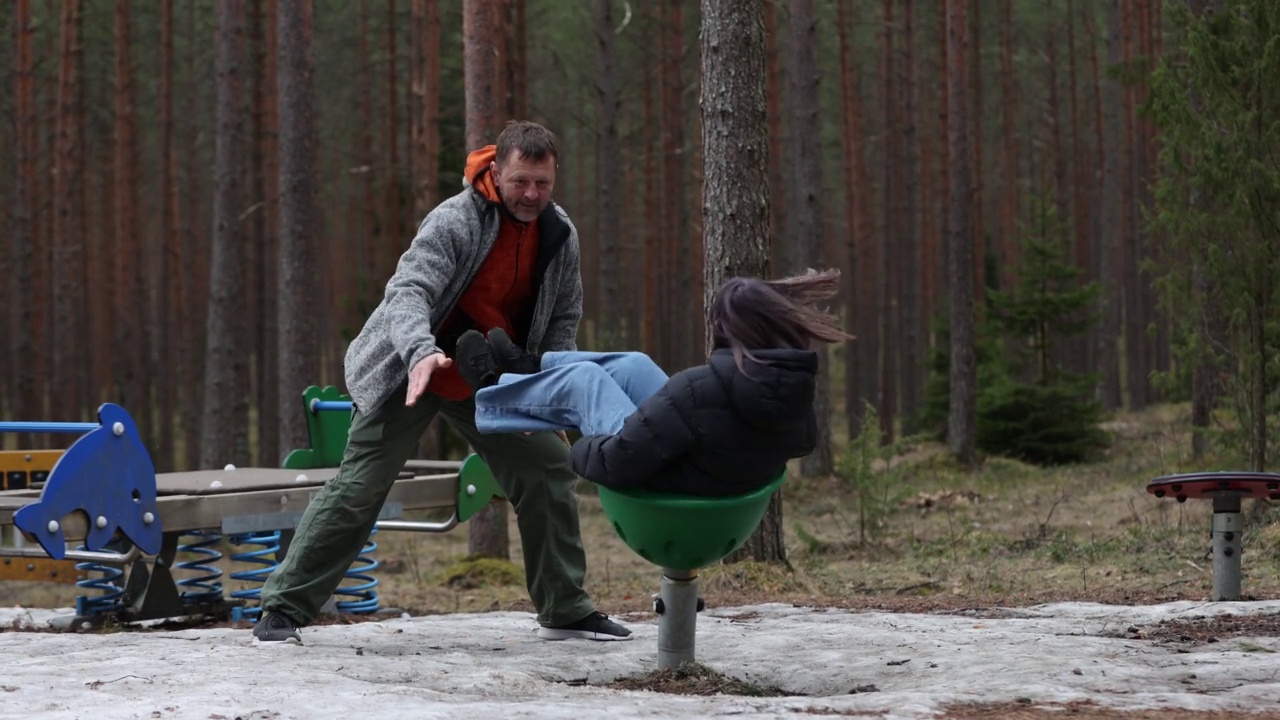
(724, 428)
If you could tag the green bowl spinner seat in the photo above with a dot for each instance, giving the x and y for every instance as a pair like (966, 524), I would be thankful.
(682, 532)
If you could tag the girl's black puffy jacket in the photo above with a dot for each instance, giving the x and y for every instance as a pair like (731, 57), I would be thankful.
(712, 430)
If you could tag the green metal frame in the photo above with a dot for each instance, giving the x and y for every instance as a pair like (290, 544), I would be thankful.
(328, 433)
(327, 430)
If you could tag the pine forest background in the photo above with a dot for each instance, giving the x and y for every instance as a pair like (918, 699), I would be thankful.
(205, 199)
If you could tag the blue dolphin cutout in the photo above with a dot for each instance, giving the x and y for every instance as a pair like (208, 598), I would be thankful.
(108, 474)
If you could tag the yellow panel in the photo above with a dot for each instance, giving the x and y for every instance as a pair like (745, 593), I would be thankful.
(19, 468)
(38, 570)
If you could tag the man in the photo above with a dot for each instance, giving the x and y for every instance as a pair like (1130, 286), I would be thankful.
(497, 254)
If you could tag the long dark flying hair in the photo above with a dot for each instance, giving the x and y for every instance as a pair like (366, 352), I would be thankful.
(753, 314)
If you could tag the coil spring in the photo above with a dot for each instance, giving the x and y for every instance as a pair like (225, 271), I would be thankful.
(107, 582)
(204, 588)
(264, 557)
(365, 589)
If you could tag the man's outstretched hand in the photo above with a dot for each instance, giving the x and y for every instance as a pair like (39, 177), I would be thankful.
(421, 374)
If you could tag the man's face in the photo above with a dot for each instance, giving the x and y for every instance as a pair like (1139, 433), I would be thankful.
(524, 184)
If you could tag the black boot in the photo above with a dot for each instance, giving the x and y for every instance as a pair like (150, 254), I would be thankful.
(475, 360)
(512, 358)
(276, 627)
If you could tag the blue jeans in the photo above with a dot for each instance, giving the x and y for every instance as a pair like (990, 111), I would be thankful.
(587, 391)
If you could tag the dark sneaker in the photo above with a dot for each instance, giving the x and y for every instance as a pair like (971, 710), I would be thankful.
(511, 357)
(475, 360)
(275, 627)
(596, 626)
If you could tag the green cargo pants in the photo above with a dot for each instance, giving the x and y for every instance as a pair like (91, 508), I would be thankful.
(532, 470)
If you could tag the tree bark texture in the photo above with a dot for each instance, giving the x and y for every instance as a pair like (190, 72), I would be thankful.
(266, 212)
(860, 301)
(173, 320)
(805, 242)
(608, 174)
(891, 218)
(22, 327)
(70, 361)
(911, 357)
(735, 202)
(130, 349)
(424, 116)
(1109, 262)
(298, 343)
(962, 422)
(482, 37)
(225, 429)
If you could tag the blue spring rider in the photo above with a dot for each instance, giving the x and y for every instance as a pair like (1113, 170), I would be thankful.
(106, 473)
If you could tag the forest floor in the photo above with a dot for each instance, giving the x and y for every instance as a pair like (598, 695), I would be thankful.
(919, 536)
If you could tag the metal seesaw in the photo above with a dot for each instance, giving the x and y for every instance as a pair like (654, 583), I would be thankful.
(104, 505)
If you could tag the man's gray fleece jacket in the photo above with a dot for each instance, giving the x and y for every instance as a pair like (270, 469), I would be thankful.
(432, 275)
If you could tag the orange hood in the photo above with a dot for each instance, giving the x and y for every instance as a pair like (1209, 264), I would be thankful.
(477, 171)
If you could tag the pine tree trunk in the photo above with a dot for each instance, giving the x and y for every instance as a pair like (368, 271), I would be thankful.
(652, 201)
(1135, 326)
(773, 119)
(891, 237)
(299, 339)
(482, 34)
(395, 235)
(376, 266)
(225, 429)
(100, 282)
(976, 111)
(1098, 161)
(805, 240)
(1162, 346)
(424, 140)
(1204, 369)
(962, 423)
(424, 122)
(1008, 223)
(516, 60)
(1065, 353)
(608, 173)
(944, 139)
(196, 269)
(1080, 347)
(45, 140)
(673, 181)
(860, 310)
(1057, 154)
(1109, 260)
(174, 378)
(130, 349)
(22, 312)
(267, 191)
(735, 194)
(70, 362)
(910, 370)
(1258, 358)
